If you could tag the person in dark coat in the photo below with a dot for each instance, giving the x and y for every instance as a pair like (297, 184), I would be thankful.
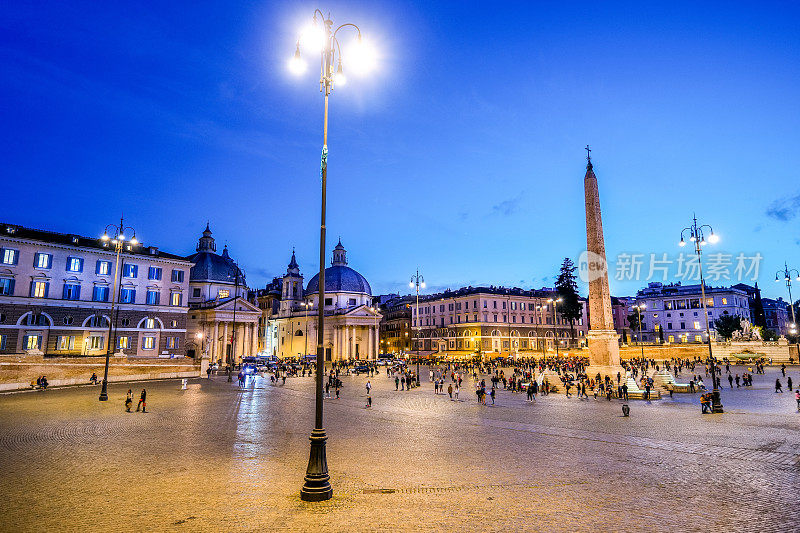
(142, 402)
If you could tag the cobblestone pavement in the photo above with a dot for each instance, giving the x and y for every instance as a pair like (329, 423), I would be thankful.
(213, 458)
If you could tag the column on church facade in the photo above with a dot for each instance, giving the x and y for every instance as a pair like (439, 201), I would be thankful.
(254, 337)
(369, 342)
(377, 341)
(215, 342)
(225, 342)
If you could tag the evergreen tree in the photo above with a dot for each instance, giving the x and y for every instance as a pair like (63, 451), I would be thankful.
(727, 325)
(758, 309)
(570, 306)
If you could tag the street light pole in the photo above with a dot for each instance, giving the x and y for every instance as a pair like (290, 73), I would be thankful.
(117, 240)
(555, 301)
(317, 486)
(417, 281)
(307, 305)
(787, 275)
(638, 308)
(697, 236)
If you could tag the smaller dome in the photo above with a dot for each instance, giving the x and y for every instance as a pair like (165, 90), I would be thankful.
(340, 278)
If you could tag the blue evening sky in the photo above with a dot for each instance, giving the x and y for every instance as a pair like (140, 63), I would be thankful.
(462, 154)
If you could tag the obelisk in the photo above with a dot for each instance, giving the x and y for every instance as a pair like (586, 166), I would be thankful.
(602, 338)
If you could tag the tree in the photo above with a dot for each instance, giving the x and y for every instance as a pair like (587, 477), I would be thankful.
(660, 335)
(769, 334)
(570, 306)
(633, 320)
(624, 336)
(727, 325)
(758, 310)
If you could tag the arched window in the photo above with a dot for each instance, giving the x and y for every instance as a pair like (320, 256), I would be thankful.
(298, 333)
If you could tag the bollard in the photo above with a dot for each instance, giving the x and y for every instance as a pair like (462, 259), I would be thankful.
(625, 409)
(184, 382)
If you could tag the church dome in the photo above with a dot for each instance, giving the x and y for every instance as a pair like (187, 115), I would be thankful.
(339, 277)
(210, 266)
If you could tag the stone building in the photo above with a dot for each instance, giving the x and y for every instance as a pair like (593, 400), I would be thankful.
(351, 323)
(677, 309)
(498, 320)
(222, 324)
(56, 290)
(268, 300)
(395, 326)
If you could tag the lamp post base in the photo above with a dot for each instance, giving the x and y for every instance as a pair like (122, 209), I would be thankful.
(104, 394)
(716, 403)
(317, 486)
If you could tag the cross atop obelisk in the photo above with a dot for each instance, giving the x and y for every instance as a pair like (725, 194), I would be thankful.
(602, 338)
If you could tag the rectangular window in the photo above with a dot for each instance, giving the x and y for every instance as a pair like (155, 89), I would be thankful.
(72, 291)
(123, 342)
(172, 343)
(724, 301)
(3, 340)
(130, 271)
(697, 338)
(43, 260)
(39, 289)
(74, 264)
(6, 286)
(102, 268)
(154, 273)
(683, 325)
(175, 299)
(177, 276)
(148, 343)
(350, 301)
(225, 293)
(127, 296)
(671, 338)
(328, 301)
(100, 294)
(153, 297)
(150, 323)
(32, 342)
(196, 293)
(9, 256)
(65, 342)
(696, 324)
(96, 342)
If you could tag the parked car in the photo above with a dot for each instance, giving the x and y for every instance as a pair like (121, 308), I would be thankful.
(360, 369)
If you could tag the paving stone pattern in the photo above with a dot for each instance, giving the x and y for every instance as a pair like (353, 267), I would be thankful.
(214, 458)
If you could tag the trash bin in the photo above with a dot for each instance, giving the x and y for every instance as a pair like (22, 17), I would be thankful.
(625, 409)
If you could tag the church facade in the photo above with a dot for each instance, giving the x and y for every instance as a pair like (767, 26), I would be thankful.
(351, 323)
(222, 325)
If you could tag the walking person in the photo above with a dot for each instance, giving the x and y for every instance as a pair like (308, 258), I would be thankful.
(456, 391)
(778, 387)
(797, 397)
(491, 394)
(369, 387)
(450, 390)
(129, 400)
(396, 383)
(142, 402)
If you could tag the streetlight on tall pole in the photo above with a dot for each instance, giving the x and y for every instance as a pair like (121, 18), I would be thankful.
(322, 37)
(697, 236)
(232, 358)
(639, 309)
(417, 282)
(787, 274)
(555, 302)
(116, 240)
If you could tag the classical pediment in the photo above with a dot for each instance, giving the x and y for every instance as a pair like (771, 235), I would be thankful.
(362, 311)
(241, 306)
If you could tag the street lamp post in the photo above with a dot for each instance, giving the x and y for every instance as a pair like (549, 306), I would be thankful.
(697, 236)
(417, 282)
(321, 36)
(374, 309)
(116, 240)
(555, 302)
(232, 358)
(639, 308)
(787, 276)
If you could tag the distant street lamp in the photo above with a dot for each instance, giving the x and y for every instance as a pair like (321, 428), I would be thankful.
(697, 236)
(232, 358)
(639, 308)
(320, 36)
(374, 309)
(555, 302)
(417, 282)
(787, 274)
(116, 240)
